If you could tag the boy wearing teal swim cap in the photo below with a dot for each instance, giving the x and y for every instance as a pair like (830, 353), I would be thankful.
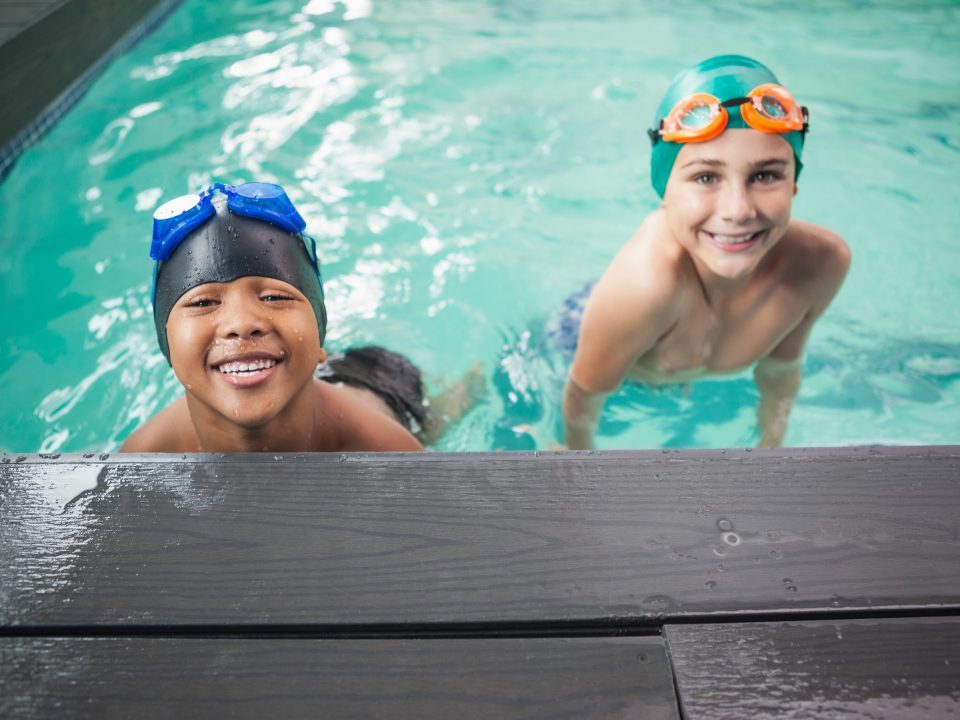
(720, 277)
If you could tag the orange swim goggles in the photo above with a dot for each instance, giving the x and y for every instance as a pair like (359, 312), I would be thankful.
(769, 108)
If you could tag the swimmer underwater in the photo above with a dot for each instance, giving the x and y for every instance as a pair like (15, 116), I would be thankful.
(719, 277)
(240, 316)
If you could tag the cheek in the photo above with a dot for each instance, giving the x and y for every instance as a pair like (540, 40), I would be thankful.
(778, 205)
(187, 346)
(686, 210)
(306, 338)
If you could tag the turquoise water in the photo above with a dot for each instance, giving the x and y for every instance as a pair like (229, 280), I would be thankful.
(464, 166)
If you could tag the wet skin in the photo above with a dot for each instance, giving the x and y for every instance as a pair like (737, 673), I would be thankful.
(245, 352)
(218, 328)
(717, 279)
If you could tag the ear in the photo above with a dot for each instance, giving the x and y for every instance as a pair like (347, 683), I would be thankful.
(323, 356)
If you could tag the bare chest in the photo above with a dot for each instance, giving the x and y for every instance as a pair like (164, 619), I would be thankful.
(707, 342)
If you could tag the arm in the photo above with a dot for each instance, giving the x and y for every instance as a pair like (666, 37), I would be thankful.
(626, 315)
(778, 382)
(581, 413)
(778, 375)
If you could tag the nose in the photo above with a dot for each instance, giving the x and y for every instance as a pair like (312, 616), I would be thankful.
(736, 204)
(242, 317)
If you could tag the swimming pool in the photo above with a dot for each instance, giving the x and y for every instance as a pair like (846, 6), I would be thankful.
(466, 165)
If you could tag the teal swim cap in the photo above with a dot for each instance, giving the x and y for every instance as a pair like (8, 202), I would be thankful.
(725, 77)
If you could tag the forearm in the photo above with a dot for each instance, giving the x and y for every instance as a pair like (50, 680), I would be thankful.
(778, 384)
(581, 413)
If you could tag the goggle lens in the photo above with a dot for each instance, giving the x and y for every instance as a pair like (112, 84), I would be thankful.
(177, 206)
(771, 107)
(697, 117)
(265, 201)
(176, 219)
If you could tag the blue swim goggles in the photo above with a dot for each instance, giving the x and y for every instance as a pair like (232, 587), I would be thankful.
(176, 219)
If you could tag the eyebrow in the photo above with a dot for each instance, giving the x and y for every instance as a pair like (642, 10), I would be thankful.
(720, 163)
(769, 161)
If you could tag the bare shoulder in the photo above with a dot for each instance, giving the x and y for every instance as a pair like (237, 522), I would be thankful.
(815, 262)
(636, 303)
(353, 425)
(170, 430)
(645, 276)
(819, 249)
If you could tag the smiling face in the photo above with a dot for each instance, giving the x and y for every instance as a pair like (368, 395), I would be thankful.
(728, 200)
(245, 351)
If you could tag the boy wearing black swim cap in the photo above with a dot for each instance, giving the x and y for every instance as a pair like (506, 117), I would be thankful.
(240, 316)
(720, 277)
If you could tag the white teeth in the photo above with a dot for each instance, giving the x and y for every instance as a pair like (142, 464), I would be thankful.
(734, 239)
(253, 366)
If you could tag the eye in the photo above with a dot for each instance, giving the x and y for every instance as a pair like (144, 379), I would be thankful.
(706, 178)
(200, 302)
(766, 177)
(275, 297)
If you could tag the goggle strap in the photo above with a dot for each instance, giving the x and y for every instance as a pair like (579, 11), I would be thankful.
(735, 102)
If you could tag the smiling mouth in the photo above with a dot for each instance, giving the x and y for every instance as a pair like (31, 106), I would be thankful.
(247, 368)
(735, 243)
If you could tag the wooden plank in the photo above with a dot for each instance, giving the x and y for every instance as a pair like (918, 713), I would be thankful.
(255, 678)
(891, 668)
(419, 539)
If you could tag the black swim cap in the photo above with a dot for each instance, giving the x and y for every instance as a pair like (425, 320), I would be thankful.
(230, 246)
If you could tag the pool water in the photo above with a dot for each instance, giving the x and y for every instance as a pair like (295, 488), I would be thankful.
(466, 165)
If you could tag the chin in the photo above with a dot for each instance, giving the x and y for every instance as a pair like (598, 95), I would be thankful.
(733, 270)
(248, 421)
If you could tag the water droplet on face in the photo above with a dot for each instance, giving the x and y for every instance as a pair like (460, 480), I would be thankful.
(724, 524)
(720, 567)
(731, 538)
(105, 456)
(776, 554)
(720, 551)
(342, 458)
(791, 588)
(710, 584)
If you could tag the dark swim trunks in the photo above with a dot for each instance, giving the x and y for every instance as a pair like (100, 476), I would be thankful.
(388, 375)
(563, 329)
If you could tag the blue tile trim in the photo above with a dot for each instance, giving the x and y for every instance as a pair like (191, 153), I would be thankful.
(55, 110)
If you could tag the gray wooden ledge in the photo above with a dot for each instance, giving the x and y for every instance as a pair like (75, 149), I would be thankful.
(894, 667)
(813, 583)
(394, 542)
